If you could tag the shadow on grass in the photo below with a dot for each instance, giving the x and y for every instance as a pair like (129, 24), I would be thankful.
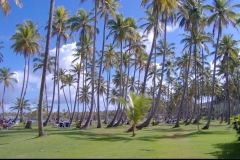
(227, 150)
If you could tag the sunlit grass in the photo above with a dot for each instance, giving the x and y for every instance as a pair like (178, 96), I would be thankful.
(160, 141)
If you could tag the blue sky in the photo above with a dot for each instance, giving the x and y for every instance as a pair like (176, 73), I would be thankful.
(37, 10)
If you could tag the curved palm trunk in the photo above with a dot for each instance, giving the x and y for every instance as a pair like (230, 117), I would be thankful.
(195, 84)
(21, 96)
(67, 103)
(58, 87)
(155, 35)
(185, 86)
(4, 88)
(228, 97)
(99, 74)
(25, 90)
(77, 91)
(54, 90)
(213, 82)
(111, 124)
(46, 97)
(108, 86)
(154, 106)
(15, 119)
(86, 125)
(43, 81)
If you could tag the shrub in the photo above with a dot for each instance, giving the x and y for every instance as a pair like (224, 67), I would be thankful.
(236, 125)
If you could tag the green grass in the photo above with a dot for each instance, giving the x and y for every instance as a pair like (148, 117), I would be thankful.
(160, 141)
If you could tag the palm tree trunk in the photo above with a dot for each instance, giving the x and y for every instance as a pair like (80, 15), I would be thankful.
(43, 81)
(185, 86)
(4, 88)
(86, 125)
(213, 82)
(21, 96)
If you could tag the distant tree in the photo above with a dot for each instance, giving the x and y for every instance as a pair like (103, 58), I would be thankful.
(6, 78)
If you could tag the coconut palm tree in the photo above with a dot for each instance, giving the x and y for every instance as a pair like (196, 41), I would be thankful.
(6, 7)
(136, 107)
(190, 17)
(7, 78)
(228, 55)
(60, 19)
(43, 80)
(27, 42)
(119, 29)
(20, 105)
(81, 22)
(222, 15)
(154, 25)
(109, 7)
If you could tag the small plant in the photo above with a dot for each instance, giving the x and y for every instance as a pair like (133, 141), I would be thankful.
(236, 125)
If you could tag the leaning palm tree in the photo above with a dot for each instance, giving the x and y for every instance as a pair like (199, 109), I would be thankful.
(27, 42)
(109, 7)
(223, 15)
(136, 107)
(43, 80)
(4, 5)
(81, 22)
(6, 77)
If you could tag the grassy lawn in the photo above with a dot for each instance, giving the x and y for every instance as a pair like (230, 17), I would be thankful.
(160, 141)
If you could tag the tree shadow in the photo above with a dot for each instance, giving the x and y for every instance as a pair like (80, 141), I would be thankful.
(227, 150)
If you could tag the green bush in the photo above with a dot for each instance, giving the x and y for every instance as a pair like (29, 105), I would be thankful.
(236, 124)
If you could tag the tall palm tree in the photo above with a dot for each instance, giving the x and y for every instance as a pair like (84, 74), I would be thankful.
(228, 55)
(154, 25)
(81, 21)
(27, 42)
(222, 15)
(109, 7)
(6, 77)
(60, 18)
(190, 18)
(43, 79)
(6, 7)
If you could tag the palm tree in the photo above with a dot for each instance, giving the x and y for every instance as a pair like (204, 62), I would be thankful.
(60, 18)
(190, 17)
(39, 63)
(109, 7)
(20, 105)
(152, 24)
(108, 61)
(136, 107)
(43, 80)
(6, 77)
(223, 15)
(119, 30)
(81, 21)
(6, 7)
(27, 42)
(228, 54)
